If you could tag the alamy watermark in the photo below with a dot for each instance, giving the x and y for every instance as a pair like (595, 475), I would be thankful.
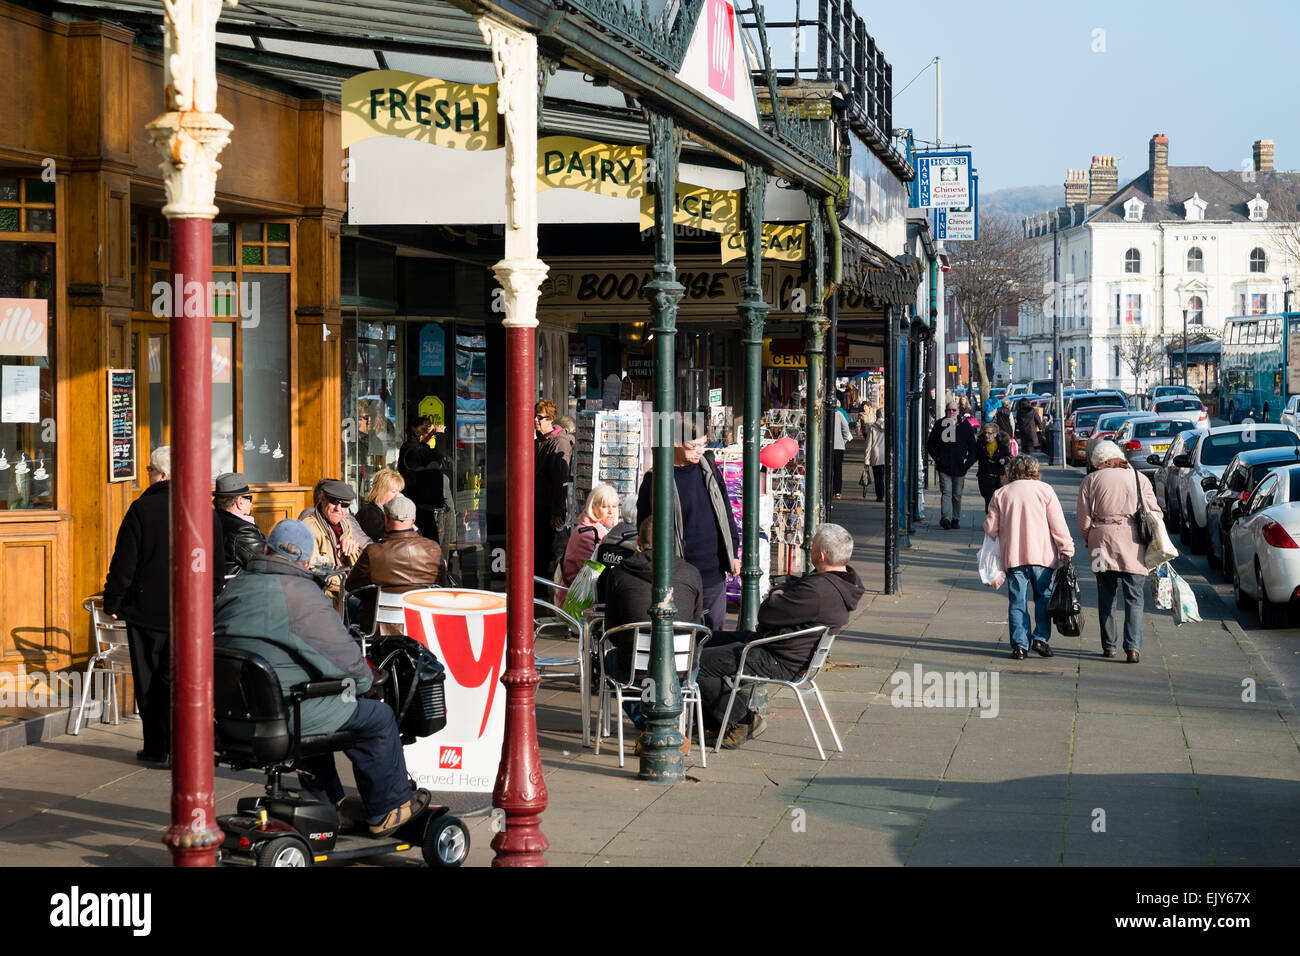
(194, 300)
(46, 689)
(957, 689)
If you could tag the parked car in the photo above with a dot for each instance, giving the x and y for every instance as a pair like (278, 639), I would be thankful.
(1169, 478)
(1166, 391)
(1148, 436)
(1096, 400)
(1191, 405)
(1019, 388)
(1290, 416)
(1210, 458)
(1107, 425)
(1079, 426)
(1240, 479)
(1264, 550)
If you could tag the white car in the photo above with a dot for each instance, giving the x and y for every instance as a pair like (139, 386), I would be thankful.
(1209, 458)
(1290, 416)
(1182, 405)
(1266, 547)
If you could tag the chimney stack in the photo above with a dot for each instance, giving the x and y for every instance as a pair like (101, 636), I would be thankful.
(1076, 186)
(1160, 167)
(1103, 179)
(1263, 150)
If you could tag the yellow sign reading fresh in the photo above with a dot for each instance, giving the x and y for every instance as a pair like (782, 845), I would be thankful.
(710, 210)
(422, 108)
(570, 162)
(779, 242)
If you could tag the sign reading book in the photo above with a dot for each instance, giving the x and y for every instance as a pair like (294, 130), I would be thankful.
(422, 108)
(121, 424)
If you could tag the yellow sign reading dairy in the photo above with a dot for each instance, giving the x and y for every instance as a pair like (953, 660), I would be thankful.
(570, 162)
(410, 106)
(710, 210)
(779, 242)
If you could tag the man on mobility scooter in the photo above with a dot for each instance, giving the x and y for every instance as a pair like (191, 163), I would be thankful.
(277, 609)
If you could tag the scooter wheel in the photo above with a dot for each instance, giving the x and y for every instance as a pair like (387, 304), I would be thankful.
(446, 842)
(284, 851)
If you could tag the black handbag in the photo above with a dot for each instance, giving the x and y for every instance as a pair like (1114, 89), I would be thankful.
(1064, 599)
(1144, 531)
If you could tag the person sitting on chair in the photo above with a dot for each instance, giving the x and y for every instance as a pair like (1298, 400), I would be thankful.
(827, 597)
(403, 560)
(276, 609)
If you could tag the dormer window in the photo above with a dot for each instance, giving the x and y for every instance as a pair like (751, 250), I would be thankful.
(1132, 261)
(1133, 210)
(1194, 208)
(1257, 208)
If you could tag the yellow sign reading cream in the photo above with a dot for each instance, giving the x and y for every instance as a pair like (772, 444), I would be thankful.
(709, 210)
(422, 108)
(779, 242)
(570, 162)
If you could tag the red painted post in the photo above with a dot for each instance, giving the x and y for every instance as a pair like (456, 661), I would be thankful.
(193, 836)
(520, 788)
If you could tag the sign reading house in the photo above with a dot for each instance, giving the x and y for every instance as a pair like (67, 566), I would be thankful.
(787, 242)
(570, 162)
(421, 108)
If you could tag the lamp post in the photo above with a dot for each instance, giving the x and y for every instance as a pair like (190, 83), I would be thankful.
(1286, 293)
(1184, 348)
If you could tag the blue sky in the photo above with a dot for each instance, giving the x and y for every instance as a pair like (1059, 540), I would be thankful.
(1023, 85)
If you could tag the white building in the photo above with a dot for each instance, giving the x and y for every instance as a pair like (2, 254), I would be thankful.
(1128, 259)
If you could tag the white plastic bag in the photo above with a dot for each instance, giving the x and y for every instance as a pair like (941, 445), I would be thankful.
(990, 563)
(1185, 608)
(1161, 549)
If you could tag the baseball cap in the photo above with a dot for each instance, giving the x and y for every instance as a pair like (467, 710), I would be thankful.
(292, 539)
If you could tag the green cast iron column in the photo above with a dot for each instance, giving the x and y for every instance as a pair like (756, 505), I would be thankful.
(815, 335)
(753, 311)
(661, 756)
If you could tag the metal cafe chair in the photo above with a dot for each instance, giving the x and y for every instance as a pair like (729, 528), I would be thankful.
(388, 608)
(111, 656)
(803, 684)
(547, 616)
(688, 643)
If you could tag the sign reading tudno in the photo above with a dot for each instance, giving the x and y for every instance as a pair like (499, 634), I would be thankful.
(422, 108)
(466, 629)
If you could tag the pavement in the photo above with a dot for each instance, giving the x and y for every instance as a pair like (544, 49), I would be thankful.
(1187, 759)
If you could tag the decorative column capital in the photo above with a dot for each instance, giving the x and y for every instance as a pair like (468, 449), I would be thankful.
(189, 144)
(521, 280)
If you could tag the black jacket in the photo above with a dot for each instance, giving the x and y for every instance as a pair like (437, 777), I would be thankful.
(952, 446)
(241, 540)
(617, 546)
(629, 593)
(724, 519)
(993, 466)
(553, 456)
(421, 468)
(138, 586)
(822, 598)
(371, 518)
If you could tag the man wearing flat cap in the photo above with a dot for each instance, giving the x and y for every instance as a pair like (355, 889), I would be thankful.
(232, 499)
(336, 545)
(403, 560)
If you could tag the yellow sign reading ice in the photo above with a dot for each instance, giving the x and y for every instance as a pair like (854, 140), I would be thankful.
(570, 162)
(779, 242)
(709, 210)
(410, 106)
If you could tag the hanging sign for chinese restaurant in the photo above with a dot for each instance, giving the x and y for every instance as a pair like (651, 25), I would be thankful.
(24, 327)
(422, 108)
(697, 207)
(787, 243)
(570, 162)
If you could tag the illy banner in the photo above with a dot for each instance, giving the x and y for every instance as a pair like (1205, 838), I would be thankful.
(24, 327)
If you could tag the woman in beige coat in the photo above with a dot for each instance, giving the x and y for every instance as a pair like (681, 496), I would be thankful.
(872, 424)
(1108, 501)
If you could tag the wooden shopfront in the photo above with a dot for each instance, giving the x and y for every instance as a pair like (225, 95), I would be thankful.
(84, 241)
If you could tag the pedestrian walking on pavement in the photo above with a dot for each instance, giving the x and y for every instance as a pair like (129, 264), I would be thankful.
(1107, 515)
(873, 430)
(1026, 519)
(553, 450)
(1003, 419)
(841, 435)
(1028, 427)
(994, 450)
(952, 446)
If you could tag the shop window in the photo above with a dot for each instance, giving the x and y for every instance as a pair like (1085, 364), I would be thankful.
(27, 383)
(265, 367)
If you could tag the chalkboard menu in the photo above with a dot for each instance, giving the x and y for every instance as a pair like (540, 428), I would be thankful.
(121, 424)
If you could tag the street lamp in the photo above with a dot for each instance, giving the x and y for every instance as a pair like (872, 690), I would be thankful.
(1286, 293)
(1184, 348)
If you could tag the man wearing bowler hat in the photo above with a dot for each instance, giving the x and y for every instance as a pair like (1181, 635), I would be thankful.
(232, 500)
(403, 560)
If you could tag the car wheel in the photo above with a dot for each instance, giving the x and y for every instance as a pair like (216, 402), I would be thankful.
(1184, 531)
(1211, 557)
(1244, 600)
(1200, 538)
(1270, 615)
(285, 851)
(1229, 568)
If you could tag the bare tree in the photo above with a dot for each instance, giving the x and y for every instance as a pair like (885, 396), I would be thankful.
(1141, 350)
(1284, 211)
(998, 270)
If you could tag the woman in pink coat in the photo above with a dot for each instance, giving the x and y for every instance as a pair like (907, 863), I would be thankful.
(1026, 519)
(598, 516)
(1108, 500)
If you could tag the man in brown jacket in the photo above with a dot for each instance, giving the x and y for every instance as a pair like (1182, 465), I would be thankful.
(403, 560)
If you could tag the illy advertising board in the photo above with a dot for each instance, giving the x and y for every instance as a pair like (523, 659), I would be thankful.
(466, 629)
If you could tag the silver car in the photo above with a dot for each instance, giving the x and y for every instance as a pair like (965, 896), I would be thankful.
(1149, 436)
(1168, 478)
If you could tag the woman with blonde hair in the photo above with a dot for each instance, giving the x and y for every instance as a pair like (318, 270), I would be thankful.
(598, 516)
(385, 485)
(1026, 519)
(1107, 515)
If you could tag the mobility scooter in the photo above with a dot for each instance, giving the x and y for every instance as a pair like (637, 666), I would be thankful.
(289, 828)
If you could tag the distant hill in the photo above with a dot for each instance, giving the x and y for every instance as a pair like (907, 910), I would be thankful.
(1020, 201)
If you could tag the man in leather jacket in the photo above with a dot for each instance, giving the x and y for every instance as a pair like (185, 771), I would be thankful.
(403, 560)
(233, 502)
